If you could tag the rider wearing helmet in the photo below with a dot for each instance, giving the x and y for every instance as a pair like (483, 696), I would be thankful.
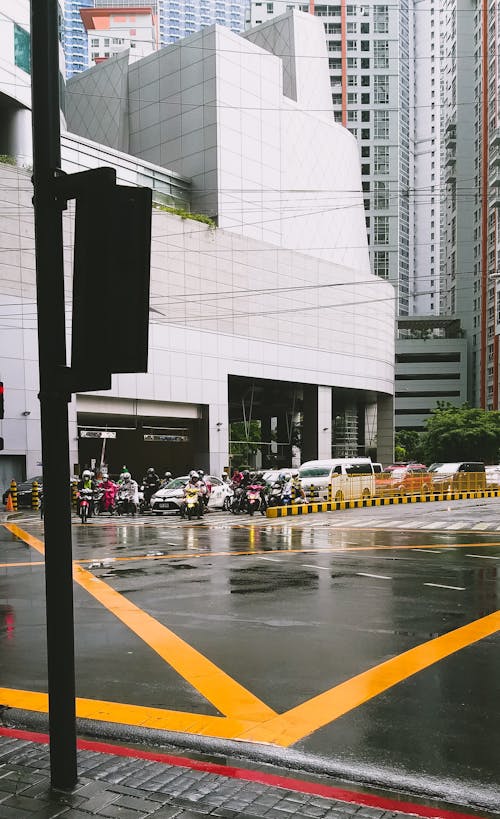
(297, 491)
(86, 482)
(193, 483)
(166, 478)
(128, 492)
(205, 487)
(151, 483)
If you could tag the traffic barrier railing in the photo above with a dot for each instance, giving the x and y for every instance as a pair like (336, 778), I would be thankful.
(461, 486)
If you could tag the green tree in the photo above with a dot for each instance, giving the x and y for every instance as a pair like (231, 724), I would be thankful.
(243, 446)
(408, 443)
(460, 434)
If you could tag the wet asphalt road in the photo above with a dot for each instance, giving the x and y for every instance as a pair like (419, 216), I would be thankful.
(290, 610)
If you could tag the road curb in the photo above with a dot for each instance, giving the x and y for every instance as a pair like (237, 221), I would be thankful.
(363, 503)
(283, 760)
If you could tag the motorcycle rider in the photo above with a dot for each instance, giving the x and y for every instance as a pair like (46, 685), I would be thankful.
(259, 480)
(192, 485)
(109, 488)
(151, 483)
(128, 491)
(236, 478)
(205, 487)
(296, 491)
(166, 478)
(86, 482)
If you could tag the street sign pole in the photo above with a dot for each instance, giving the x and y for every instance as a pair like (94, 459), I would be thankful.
(54, 392)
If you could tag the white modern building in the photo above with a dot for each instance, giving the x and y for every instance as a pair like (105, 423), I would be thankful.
(268, 313)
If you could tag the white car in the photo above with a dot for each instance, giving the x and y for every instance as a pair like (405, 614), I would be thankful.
(169, 498)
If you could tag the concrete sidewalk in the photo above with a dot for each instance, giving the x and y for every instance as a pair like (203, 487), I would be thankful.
(132, 784)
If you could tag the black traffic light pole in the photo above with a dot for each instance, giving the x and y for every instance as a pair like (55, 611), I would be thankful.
(54, 392)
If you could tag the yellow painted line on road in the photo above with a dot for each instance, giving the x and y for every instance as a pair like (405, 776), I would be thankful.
(228, 696)
(319, 711)
(26, 563)
(128, 714)
(249, 718)
(107, 562)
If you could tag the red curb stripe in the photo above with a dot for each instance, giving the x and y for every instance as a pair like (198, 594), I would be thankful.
(272, 780)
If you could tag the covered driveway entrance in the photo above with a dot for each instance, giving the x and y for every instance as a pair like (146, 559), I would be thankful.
(168, 436)
(281, 424)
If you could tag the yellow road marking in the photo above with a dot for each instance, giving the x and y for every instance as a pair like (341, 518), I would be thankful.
(254, 722)
(127, 714)
(26, 563)
(317, 712)
(259, 553)
(228, 696)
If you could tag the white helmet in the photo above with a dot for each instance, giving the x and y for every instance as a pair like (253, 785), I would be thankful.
(86, 474)
(194, 475)
(126, 476)
(295, 473)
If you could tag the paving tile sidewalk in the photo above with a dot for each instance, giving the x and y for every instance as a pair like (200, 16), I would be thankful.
(115, 786)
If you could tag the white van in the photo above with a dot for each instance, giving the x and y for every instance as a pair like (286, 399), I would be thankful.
(350, 478)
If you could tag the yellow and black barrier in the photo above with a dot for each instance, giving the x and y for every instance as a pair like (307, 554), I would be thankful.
(12, 496)
(35, 496)
(74, 494)
(362, 503)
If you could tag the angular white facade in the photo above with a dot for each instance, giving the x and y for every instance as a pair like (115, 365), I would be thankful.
(248, 127)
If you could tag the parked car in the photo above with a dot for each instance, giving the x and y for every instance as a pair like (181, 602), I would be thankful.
(169, 498)
(458, 476)
(492, 476)
(412, 479)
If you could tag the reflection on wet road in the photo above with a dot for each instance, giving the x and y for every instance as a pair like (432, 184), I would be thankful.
(370, 648)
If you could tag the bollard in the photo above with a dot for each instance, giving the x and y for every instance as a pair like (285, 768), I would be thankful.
(74, 493)
(13, 494)
(35, 500)
(293, 492)
(329, 493)
(311, 493)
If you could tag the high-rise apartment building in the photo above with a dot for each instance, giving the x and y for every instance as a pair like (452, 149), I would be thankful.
(425, 143)
(461, 262)
(371, 62)
(75, 36)
(180, 18)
